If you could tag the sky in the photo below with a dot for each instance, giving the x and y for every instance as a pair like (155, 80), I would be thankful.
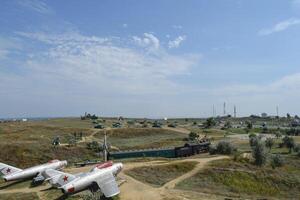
(139, 58)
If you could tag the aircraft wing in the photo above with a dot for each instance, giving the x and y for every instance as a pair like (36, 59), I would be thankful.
(108, 185)
(58, 178)
(7, 169)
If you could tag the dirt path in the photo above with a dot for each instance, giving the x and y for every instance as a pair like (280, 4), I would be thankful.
(135, 190)
(89, 138)
(177, 129)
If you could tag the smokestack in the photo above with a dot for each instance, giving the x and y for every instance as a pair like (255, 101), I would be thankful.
(234, 111)
(224, 109)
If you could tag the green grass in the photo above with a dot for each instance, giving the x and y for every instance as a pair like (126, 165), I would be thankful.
(226, 177)
(160, 174)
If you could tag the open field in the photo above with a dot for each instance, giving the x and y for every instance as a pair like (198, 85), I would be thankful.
(143, 138)
(201, 176)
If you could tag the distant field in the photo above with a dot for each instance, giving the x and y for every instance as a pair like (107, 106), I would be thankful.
(66, 122)
(28, 143)
(243, 180)
(143, 138)
(161, 174)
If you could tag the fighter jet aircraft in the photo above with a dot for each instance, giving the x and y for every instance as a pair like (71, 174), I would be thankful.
(11, 173)
(102, 177)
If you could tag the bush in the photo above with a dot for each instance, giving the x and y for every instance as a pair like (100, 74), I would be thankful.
(212, 150)
(253, 140)
(227, 125)
(209, 122)
(277, 161)
(249, 124)
(277, 134)
(193, 135)
(297, 148)
(289, 143)
(224, 147)
(258, 152)
(293, 132)
(264, 129)
(269, 143)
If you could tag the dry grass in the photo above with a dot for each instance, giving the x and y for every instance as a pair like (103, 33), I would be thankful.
(244, 180)
(143, 138)
(161, 174)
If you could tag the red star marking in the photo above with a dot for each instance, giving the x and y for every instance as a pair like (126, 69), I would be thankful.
(65, 178)
(8, 170)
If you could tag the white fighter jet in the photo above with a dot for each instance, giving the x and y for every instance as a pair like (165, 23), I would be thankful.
(102, 177)
(11, 173)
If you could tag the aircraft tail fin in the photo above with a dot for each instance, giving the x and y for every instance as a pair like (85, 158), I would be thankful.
(57, 178)
(7, 169)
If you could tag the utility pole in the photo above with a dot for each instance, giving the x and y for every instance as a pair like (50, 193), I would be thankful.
(224, 108)
(277, 112)
(104, 148)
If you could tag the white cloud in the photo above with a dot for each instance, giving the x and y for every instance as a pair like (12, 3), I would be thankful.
(7, 45)
(281, 26)
(108, 64)
(36, 5)
(177, 27)
(125, 25)
(149, 41)
(176, 43)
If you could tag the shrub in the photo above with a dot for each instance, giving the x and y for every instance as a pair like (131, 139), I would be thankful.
(277, 134)
(253, 140)
(227, 125)
(264, 129)
(289, 143)
(293, 132)
(212, 150)
(249, 124)
(258, 152)
(224, 147)
(193, 135)
(297, 148)
(269, 143)
(209, 122)
(277, 161)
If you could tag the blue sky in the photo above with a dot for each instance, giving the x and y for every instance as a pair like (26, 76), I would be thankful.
(141, 58)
